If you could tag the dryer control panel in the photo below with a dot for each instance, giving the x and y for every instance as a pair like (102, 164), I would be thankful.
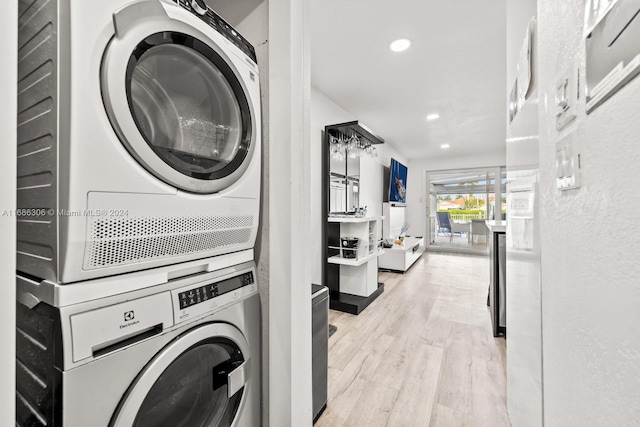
(195, 300)
(215, 21)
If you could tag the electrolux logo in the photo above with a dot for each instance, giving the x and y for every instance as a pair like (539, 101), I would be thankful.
(129, 318)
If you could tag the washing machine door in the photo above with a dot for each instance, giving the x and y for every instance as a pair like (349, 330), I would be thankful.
(196, 381)
(177, 100)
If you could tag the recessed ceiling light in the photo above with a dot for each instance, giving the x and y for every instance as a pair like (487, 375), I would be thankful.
(445, 146)
(400, 45)
(433, 116)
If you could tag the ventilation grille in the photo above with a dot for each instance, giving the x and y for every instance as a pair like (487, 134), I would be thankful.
(37, 379)
(120, 241)
(37, 136)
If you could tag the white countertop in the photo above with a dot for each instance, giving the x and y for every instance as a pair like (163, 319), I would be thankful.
(497, 226)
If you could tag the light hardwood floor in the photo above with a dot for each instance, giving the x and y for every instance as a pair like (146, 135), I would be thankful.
(422, 354)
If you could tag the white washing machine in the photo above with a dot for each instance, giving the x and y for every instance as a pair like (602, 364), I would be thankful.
(184, 353)
(138, 137)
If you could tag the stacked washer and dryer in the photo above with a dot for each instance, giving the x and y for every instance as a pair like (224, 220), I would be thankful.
(138, 194)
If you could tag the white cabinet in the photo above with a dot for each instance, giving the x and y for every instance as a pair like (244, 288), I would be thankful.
(401, 257)
(357, 270)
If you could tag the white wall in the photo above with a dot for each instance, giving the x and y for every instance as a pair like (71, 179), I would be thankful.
(416, 182)
(325, 112)
(8, 94)
(590, 252)
(289, 196)
(523, 299)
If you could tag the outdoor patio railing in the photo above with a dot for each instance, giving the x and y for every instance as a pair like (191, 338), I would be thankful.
(466, 217)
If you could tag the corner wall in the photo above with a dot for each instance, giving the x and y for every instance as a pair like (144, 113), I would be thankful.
(590, 249)
(289, 195)
(523, 275)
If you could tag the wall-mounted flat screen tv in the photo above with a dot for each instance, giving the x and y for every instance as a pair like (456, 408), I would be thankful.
(397, 182)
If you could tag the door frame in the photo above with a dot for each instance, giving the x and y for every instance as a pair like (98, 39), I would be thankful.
(426, 218)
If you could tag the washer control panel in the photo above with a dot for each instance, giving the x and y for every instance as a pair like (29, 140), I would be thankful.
(215, 21)
(192, 301)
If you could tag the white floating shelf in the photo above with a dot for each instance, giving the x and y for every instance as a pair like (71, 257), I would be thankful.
(352, 219)
(353, 262)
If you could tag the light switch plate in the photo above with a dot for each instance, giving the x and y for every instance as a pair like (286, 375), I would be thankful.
(567, 162)
(567, 95)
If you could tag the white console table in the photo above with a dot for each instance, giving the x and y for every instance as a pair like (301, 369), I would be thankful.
(401, 257)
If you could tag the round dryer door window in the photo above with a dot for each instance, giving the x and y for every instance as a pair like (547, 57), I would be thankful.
(190, 384)
(180, 107)
(187, 108)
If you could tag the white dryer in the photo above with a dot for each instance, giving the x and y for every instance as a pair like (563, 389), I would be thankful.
(183, 353)
(138, 137)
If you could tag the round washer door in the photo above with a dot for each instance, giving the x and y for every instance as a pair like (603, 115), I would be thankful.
(196, 381)
(177, 101)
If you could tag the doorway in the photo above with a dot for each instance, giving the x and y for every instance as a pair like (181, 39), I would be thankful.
(460, 201)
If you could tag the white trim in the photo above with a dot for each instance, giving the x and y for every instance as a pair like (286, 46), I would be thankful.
(8, 106)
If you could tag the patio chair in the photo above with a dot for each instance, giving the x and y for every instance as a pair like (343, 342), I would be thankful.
(459, 227)
(444, 223)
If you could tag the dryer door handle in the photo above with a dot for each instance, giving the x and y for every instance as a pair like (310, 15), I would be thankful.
(232, 374)
(130, 16)
(237, 378)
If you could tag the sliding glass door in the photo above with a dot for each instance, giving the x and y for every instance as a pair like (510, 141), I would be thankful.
(460, 201)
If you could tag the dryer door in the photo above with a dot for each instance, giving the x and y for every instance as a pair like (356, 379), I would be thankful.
(196, 381)
(178, 102)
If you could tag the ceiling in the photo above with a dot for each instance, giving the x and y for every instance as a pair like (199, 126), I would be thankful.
(455, 67)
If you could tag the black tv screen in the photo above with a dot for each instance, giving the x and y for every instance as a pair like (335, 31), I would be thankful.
(397, 182)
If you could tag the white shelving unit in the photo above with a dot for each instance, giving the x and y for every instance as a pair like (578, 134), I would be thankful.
(352, 281)
(358, 275)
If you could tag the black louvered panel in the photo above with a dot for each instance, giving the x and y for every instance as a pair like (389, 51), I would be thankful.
(37, 137)
(38, 380)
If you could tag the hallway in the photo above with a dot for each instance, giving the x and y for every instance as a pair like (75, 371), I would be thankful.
(422, 354)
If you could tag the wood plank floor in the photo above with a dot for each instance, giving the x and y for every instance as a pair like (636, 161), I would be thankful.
(422, 354)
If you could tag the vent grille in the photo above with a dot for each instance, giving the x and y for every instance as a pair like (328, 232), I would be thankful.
(37, 136)
(120, 241)
(38, 381)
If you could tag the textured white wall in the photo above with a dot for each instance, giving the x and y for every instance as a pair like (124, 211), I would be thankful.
(8, 94)
(416, 181)
(590, 250)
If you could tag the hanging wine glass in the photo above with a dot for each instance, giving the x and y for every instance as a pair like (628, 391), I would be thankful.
(343, 144)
